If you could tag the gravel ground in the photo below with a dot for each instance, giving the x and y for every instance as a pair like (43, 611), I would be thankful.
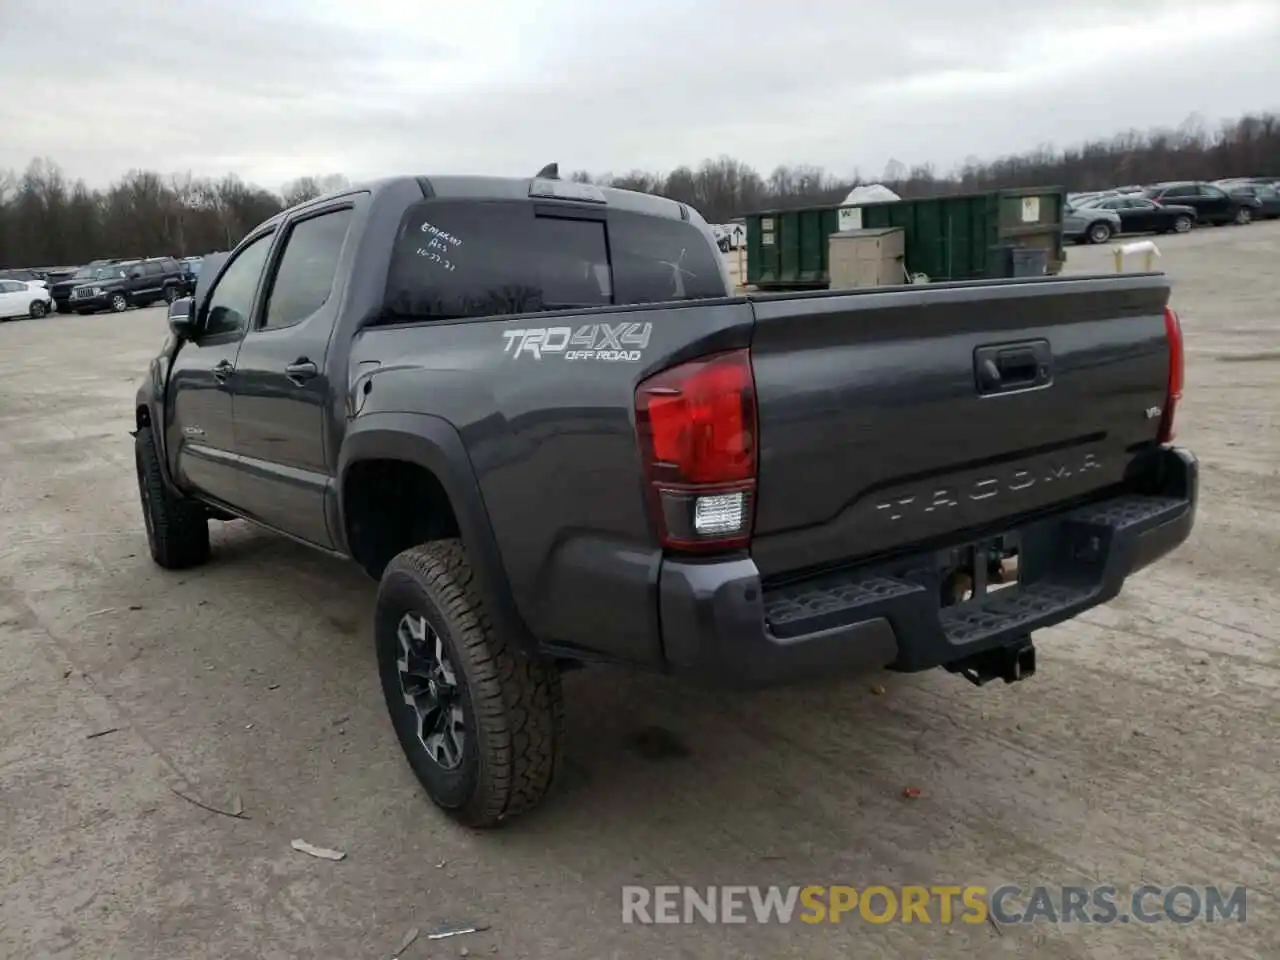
(1144, 750)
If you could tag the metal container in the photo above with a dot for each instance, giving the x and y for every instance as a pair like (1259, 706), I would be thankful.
(947, 238)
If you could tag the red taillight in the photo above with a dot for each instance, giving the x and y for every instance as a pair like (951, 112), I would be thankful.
(696, 424)
(1177, 374)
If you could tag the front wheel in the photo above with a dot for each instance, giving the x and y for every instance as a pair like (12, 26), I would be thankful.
(170, 294)
(478, 720)
(37, 309)
(1182, 225)
(1099, 232)
(119, 303)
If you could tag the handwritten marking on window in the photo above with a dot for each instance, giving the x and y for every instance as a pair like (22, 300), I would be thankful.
(433, 256)
(443, 236)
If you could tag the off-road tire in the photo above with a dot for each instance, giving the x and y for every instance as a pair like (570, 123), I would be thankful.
(511, 700)
(177, 528)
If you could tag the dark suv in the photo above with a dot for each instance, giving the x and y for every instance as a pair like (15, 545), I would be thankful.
(61, 288)
(128, 283)
(1211, 203)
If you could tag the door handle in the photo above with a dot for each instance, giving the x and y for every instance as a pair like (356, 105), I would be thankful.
(1004, 367)
(223, 370)
(301, 370)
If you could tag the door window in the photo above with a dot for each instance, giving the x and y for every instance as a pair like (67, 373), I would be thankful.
(231, 302)
(304, 278)
(10, 286)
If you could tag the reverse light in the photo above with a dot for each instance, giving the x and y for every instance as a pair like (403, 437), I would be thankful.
(1177, 374)
(696, 426)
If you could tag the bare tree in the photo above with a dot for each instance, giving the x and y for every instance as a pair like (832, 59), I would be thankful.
(46, 220)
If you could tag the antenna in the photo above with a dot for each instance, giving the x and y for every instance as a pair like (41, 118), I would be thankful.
(550, 172)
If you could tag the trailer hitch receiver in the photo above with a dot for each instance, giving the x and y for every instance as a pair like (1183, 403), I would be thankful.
(1009, 662)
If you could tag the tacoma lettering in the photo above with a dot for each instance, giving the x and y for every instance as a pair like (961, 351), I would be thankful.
(941, 499)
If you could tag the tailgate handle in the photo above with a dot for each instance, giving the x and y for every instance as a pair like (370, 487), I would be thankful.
(1003, 367)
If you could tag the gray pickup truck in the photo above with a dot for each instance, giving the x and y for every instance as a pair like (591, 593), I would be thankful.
(537, 414)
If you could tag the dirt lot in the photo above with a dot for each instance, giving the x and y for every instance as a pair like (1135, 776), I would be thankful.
(1147, 748)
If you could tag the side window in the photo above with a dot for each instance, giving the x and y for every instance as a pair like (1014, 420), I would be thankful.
(1180, 192)
(9, 286)
(152, 269)
(231, 301)
(1214, 192)
(656, 259)
(482, 258)
(304, 278)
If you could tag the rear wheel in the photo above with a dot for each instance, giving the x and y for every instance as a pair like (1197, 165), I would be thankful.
(478, 720)
(1244, 216)
(37, 309)
(1099, 232)
(170, 294)
(177, 528)
(1182, 224)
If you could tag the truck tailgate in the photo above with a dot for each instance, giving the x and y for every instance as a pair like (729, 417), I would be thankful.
(890, 418)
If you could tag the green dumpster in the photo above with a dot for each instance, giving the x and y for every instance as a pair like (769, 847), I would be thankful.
(947, 238)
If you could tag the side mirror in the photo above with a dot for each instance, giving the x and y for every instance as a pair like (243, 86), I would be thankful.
(135, 274)
(182, 317)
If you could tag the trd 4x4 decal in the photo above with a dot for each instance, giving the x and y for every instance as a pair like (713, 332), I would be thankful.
(614, 343)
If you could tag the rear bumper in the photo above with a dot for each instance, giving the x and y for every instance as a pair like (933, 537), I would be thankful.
(718, 621)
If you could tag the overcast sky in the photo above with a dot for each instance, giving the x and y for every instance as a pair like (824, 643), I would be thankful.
(272, 89)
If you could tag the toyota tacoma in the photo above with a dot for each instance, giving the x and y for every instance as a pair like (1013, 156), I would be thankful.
(538, 414)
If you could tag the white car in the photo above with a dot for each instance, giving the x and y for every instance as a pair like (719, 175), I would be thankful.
(22, 298)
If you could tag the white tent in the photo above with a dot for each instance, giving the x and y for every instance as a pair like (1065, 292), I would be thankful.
(869, 193)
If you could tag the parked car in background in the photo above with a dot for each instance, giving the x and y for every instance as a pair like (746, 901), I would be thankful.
(24, 276)
(1141, 215)
(1212, 204)
(190, 267)
(61, 289)
(129, 283)
(1086, 224)
(1266, 193)
(24, 298)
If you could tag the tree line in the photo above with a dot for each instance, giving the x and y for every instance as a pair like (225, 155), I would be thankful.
(48, 220)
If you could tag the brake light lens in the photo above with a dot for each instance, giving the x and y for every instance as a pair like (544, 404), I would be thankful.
(1177, 374)
(696, 426)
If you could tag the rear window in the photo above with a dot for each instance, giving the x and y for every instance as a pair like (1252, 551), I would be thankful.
(481, 258)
